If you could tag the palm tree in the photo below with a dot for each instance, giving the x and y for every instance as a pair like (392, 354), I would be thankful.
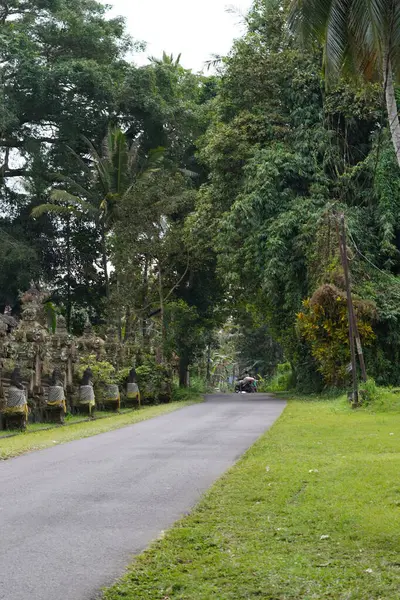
(111, 176)
(167, 59)
(359, 37)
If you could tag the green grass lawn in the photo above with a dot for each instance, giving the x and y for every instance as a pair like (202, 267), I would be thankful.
(38, 438)
(311, 512)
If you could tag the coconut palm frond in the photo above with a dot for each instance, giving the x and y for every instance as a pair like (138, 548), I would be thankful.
(74, 201)
(189, 173)
(356, 34)
(215, 61)
(54, 209)
(100, 165)
(156, 156)
(74, 185)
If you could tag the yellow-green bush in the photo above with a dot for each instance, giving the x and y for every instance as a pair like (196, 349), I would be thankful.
(324, 324)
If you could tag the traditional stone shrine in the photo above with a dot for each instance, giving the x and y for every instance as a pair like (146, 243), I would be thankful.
(132, 390)
(38, 368)
(63, 357)
(90, 344)
(31, 340)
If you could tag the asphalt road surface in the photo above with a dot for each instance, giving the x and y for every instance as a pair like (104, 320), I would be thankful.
(72, 516)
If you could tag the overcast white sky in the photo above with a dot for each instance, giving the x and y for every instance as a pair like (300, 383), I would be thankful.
(195, 28)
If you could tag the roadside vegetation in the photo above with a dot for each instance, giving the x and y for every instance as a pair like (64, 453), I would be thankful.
(311, 511)
(214, 196)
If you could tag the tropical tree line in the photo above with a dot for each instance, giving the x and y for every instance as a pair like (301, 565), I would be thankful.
(198, 213)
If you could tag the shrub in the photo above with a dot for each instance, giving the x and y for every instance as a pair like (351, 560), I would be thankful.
(103, 371)
(154, 380)
(197, 388)
(280, 382)
(324, 325)
(369, 392)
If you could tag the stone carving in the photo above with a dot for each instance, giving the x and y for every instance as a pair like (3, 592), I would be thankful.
(56, 395)
(56, 405)
(32, 338)
(132, 388)
(89, 343)
(86, 391)
(42, 364)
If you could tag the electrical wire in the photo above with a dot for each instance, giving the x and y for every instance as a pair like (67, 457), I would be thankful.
(388, 275)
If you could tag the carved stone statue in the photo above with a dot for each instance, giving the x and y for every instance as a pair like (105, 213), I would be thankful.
(87, 377)
(132, 388)
(16, 409)
(86, 391)
(56, 406)
(16, 379)
(89, 343)
(61, 329)
(132, 376)
(57, 378)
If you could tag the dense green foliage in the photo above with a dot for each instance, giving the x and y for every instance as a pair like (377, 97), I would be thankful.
(284, 155)
(170, 203)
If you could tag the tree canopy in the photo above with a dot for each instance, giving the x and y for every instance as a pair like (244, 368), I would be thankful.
(186, 208)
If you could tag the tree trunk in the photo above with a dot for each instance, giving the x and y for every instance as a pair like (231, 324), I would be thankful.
(68, 252)
(145, 293)
(119, 313)
(183, 371)
(105, 260)
(391, 105)
(128, 323)
(208, 372)
(161, 295)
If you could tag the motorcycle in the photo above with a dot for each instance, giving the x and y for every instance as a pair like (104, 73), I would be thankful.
(247, 385)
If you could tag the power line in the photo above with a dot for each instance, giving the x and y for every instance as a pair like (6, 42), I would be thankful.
(389, 275)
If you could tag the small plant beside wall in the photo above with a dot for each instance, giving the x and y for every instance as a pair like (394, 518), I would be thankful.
(154, 382)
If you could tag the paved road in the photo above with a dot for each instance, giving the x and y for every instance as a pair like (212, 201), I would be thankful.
(72, 516)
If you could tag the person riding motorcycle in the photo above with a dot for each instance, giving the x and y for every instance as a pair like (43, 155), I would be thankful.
(246, 384)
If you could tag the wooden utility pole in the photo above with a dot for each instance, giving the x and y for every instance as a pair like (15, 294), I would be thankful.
(350, 308)
(353, 314)
(208, 373)
(359, 347)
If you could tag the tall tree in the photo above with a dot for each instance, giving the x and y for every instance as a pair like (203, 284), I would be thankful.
(60, 62)
(111, 174)
(359, 37)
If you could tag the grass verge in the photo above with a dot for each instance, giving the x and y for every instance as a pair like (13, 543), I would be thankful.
(37, 440)
(69, 420)
(311, 512)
